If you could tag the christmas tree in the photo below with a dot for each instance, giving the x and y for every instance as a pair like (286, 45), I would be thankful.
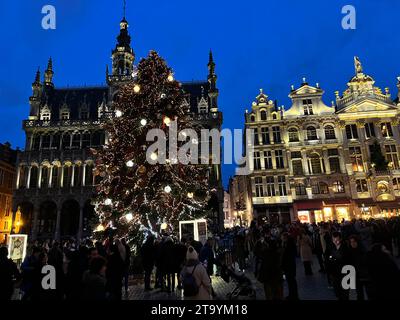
(138, 195)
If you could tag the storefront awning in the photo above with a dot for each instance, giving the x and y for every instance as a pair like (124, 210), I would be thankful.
(309, 205)
(344, 201)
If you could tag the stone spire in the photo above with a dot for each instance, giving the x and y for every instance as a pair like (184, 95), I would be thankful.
(48, 74)
(212, 80)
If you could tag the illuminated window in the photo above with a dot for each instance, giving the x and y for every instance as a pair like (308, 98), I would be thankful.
(392, 156)
(386, 129)
(338, 187)
(356, 159)
(396, 184)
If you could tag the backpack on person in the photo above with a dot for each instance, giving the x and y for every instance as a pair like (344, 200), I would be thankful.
(190, 287)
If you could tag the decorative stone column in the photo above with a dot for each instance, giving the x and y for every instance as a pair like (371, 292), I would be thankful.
(84, 175)
(62, 176)
(50, 175)
(305, 162)
(28, 181)
(73, 175)
(326, 161)
(39, 182)
(18, 177)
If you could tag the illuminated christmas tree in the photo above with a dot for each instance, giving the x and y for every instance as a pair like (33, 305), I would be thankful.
(136, 197)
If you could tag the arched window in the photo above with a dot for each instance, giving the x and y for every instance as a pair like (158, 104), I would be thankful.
(315, 164)
(45, 141)
(330, 132)
(66, 141)
(274, 116)
(44, 181)
(55, 144)
(311, 133)
(293, 135)
(89, 174)
(67, 179)
(77, 175)
(252, 118)
(338, 187)
(55, 178)
(263, 115)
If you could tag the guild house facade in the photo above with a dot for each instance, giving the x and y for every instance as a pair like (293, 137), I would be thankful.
(55, 173)
(315, 162)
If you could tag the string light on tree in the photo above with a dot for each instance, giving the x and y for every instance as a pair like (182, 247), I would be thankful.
(108, 202)
(143, 122)
(129, 217)
(167, 121)
(190, 195)
(167, 189)
(129, 163)
(136, 88)
(118, 113)
(171, 78)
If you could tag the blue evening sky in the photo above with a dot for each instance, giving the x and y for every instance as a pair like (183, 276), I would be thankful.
(256, 44)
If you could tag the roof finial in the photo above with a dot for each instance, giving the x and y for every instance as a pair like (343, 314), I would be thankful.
(304, 79)
(37, 77)
(357, 65)
(124, 8)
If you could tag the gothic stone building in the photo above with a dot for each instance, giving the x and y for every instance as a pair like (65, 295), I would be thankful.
(314, 162)
(55, 181)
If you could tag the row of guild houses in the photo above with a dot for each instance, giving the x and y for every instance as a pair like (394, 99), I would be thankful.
(315, 162)
(55, 180)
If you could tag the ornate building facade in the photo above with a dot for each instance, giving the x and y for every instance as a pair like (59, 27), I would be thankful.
(315, 162)
(55, 180)
(8, 158)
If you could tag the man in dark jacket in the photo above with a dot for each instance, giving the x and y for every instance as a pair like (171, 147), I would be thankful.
(289, 253)
(180, 254)
(207, 254)
(148, 253)
(8, 272)
(339, 257)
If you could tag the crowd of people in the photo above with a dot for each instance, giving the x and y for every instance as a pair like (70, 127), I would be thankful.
(100, 270)
(88, 271)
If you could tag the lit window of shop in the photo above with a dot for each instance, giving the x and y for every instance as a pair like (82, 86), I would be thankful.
(265, 135)
(268, 159)
(300, 189)
(338, 187)
(328, 213)
(270, 192)
(369, 130)
(342, 213)
(259, 187)
(330, 132)
(311, 133)
(362, 185)
(356, 159)
(257, 161)
(279, 159)
(392, 156)
(386, 129)
(351, 131)
(282, 185)
(293, 135)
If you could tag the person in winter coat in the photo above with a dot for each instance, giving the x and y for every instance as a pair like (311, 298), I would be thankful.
(270, 273)
(115, 272)
(8, 272)
(289, 253)
(148, 253)
(339, 257)
(180, 250)
(384, 274)
(167, 264)
(29, 268)
(94, 280)
(193, 266)
(305, 248)
(127, 263)
(357, 258)
(207, 256)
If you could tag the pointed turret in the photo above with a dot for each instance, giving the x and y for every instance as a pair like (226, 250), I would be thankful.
(34, 100)
(398, 89)
(48, 74)
(212, 80)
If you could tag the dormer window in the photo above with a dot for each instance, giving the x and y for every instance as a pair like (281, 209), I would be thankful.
(307, 107)
(45, 114)
(202, 106)
(65, 115)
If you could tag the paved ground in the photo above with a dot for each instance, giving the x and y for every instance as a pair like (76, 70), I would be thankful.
(313, 287)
